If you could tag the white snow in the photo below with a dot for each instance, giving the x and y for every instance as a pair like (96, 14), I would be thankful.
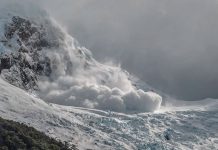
(90, 128)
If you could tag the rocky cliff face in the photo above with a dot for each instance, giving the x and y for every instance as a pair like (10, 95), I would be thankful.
(24, 62)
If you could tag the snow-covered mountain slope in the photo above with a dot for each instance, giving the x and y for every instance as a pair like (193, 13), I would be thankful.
(95, 129)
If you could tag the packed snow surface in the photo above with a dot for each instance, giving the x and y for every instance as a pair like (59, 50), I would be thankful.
(190, 128)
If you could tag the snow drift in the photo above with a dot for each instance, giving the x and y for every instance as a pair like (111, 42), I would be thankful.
(76, 78)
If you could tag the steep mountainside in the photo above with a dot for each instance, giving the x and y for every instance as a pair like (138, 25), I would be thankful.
(24, 62)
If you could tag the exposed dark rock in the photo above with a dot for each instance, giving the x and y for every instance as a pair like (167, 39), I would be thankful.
(5, 62)
(22, 66)
(168, 134)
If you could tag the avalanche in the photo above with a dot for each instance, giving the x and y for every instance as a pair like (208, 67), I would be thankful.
(50, 82)
(38, 55)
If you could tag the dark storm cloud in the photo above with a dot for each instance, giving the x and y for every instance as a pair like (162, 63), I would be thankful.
(171, 44)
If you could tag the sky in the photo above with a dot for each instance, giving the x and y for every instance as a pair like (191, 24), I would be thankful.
(170, 44)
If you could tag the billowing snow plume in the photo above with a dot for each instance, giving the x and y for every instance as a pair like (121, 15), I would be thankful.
(76, 78)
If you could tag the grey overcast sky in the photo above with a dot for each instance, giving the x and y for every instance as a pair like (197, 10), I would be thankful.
(170, 44)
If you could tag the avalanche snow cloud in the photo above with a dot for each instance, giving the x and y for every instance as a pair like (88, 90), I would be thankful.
(77, 79)
(178, 48)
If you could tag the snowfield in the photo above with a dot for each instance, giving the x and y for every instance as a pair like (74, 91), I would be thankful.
(95, 129)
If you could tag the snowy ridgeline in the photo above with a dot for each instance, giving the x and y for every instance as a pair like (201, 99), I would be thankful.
(182, 130)
(39, 56)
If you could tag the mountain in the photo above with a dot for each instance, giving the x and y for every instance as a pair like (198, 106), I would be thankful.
(23, 62)
(49, 82)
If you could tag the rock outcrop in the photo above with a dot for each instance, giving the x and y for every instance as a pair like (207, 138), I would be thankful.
(24, 62)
